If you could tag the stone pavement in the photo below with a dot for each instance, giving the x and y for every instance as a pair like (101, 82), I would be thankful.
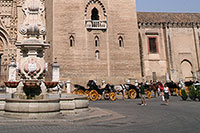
(121, 116)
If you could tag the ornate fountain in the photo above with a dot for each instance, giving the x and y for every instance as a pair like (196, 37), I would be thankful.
(31, 99)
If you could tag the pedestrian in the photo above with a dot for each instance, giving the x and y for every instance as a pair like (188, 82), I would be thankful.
(166, 94)
(142, 95)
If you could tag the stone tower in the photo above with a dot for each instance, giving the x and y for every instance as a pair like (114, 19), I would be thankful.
(93, 39)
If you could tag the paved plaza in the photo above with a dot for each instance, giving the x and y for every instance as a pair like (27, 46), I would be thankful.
(121, 116)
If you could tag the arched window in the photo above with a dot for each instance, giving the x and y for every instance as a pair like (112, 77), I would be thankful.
(97, 54)
(95, 14)
(96, 41)
(71, 41)
(121, 42)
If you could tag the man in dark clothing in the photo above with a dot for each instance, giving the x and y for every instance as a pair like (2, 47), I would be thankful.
(142, 95)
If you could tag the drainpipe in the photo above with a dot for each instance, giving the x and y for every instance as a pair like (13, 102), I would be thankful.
(196, 47)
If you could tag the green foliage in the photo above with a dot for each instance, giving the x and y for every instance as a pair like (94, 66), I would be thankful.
(184, 94)
(198, 92)
(192, 93)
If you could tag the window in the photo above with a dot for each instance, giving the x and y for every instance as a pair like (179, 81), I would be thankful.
(154, 76)
(95, 14)
(121, 42)
(71, 41)
(153, 45)
(97, 54)
(96, 41)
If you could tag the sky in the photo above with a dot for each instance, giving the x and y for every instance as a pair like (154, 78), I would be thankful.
(190, 6)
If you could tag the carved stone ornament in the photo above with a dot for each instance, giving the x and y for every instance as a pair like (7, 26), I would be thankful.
(33, 25)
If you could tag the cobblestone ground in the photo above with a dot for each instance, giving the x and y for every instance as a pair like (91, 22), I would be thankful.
(179, 116)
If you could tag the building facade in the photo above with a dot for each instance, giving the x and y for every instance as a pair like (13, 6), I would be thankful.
(108, 40)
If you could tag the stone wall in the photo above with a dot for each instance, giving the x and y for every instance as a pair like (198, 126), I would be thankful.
(178, 52)
(79, 62)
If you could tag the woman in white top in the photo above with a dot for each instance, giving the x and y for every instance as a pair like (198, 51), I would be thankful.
(166, 94)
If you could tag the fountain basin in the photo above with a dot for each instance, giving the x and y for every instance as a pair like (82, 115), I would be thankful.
(32, 84)
(32, 106)
(43, 108)
(51, 84)
(11, 84)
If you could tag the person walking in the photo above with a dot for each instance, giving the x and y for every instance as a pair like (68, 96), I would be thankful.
(166, 94)
(142, 95)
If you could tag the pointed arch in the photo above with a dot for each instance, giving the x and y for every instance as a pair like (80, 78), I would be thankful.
(121, 41)
(96, 41)
(71, 41)
(4, 36)
(186, 69)
(95, 2)
(95, 14)
(97, 54)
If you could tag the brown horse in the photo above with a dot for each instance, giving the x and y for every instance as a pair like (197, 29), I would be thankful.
(153, 87)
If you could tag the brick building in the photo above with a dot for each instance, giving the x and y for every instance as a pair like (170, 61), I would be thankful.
(108, 40)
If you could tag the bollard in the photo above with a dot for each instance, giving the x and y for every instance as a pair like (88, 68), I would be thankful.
(68, 86)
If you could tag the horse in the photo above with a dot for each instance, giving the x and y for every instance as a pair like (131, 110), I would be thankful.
(80, 90)
(152, 87)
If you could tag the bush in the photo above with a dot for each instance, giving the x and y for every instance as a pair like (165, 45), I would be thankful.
(198, 92)
(192, 93)
(184, 95)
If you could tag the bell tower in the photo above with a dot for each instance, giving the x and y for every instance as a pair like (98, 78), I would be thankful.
(94, 39)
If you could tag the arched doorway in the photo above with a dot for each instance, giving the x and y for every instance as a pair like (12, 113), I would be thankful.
(187, 70)
(1, 53)
(3, 61)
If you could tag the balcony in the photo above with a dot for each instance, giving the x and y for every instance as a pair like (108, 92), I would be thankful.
(96, 24)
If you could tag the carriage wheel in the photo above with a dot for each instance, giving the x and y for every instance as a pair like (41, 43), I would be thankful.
(80, 92)
(113, 96)
(132, 94)
(149, 95)
(93, 95)
(100, 97)
(106, 96)
(74, 92)
(126, 95)
(87, 92)
(177, 92)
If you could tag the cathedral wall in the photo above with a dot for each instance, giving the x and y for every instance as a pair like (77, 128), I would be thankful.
(79, 62)
(183, 42)
(154, 62)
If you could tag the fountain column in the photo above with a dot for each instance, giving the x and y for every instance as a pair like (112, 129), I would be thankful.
(55, 71)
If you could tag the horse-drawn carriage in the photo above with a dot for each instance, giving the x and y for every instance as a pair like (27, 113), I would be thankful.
(95, 92)
(128, 91)
(174, 87)
(109, 92)
(187, 85)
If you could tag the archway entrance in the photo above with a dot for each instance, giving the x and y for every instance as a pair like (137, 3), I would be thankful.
(187, 71)
(1, 53)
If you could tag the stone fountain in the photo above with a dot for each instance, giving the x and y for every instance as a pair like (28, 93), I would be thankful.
(31, 99)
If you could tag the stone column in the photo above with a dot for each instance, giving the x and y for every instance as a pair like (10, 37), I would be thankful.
(55, 71)
(12, 75)
(167, 77)
(12, 71)
(68, 83)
